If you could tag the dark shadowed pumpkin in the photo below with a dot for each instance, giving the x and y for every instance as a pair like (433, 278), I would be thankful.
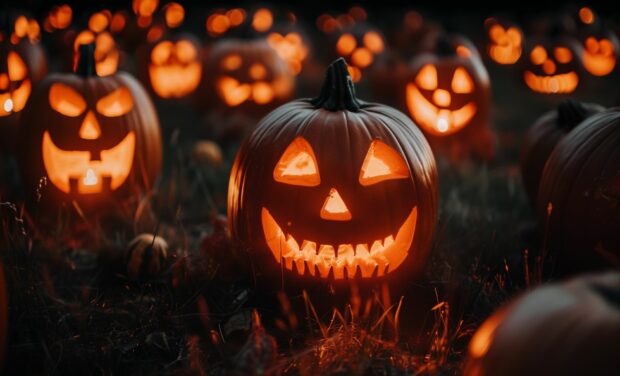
(544, 135)
(579, 196)
(448, 96)
(551, 66)
(93, 138)
(570, 328)
(22, 65)
(334, 188)
(247, 76)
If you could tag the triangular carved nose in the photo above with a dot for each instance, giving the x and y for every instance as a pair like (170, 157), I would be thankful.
(90, 129)
(334, 208)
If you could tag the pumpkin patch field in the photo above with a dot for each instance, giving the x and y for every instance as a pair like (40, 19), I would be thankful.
(254, 188)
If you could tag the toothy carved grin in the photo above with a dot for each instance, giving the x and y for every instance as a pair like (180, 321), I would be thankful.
(75, 172)
(437, 120)
(556, 84)
(366, 260)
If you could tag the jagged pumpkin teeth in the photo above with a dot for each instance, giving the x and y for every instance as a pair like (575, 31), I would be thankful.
(308, 247)
(327, 252)
(292, 244)
(376, 248)
(388, 241)
(345, 252)
(361, 250)
(338, 269)
(299, 262)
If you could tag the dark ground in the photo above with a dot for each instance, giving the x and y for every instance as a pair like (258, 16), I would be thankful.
(73, 310)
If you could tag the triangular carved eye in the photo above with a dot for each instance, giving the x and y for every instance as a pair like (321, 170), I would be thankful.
(382, 163)
(297, 165)
(427, 77)
(462, 82)
(117, 103)
(66, 100)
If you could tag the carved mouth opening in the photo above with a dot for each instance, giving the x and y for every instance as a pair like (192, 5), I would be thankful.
(556, 84)
(75, 172)
(364, 260)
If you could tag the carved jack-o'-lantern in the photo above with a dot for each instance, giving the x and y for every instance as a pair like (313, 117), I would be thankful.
(335, 188)
(248, 75)
(505, 41)
(359, 45)
(599, 51)
(579, 196)
(551, 67)
(22, 65)
(175, 66)
(91, 137)
(448, 94)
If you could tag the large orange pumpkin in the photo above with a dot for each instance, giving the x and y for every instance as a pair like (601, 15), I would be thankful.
(579, 196)
(93, 138)
(334, 188)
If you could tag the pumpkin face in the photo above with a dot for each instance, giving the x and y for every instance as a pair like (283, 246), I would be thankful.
(175, 67)
(359, 45)
(579, 195)
(551, 67)
(542, 137)
(100, 134)
(569, 323)
(599, 52)
(371, 215)
(505, 41)
(22, 64)
(449, 90)
(248, 74)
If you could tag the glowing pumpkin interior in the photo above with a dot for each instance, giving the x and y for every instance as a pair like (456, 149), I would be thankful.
(175, 69)
(441, 109)
(360, 52)
(83, 171)
(598, 56)
(298, 166)
(550, 71)
(505, 44)
(15, 85)
(106, 52)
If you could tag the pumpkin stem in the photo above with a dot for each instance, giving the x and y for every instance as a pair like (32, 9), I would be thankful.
(444, 46)
(86, 60)
(571, 113)
(338, 92)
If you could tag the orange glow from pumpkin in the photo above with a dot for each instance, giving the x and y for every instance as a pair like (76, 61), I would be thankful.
(144, 8)
(106, 53)
(362, 57)
(232, 92)
(505, 46)
(21, 26)
(15, 99)
(60, 17)
(374, 42)
(382, 163)
(427, 77)
(75, 172)
(217, 24)
(291, 49)
(236, 16)
(297, 165)
(462, 82)
(538, 55)
(599, 57)
(257, 71)
(463, 52)
(334, 208)
(155, 33)
(481, 340)
(366, 260)
(174, 15)
(98, 22)
(175, 70)
(231, 62)
(556, 84)
(118, 22)
(65, 100)
(563, 55)
(262, 20)
(346, 44)
(117, 103)
(586, 15)
(262, 93)
(436, 120)
(355, 73)
(90, 129)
